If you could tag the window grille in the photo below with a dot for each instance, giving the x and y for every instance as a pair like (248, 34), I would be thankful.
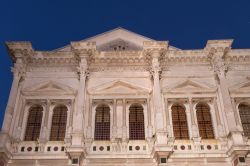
(179, 120)
(59, 122)
(204, 121)
(102, 123)
(34, 123)
(244, 111)
(136, 122)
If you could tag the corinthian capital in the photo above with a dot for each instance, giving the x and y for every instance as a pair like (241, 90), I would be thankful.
(155, 49)
(20, 51)
(83, 49)
(216, 51)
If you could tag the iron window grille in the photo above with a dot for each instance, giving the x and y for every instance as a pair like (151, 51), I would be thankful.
(102, 123)
(204, 121)
(136, 122)
(59, 122)
(34, 122)
(244, 111)
(179, 119)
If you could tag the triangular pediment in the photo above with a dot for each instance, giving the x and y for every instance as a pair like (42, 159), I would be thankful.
(118, 88)
(49, 88)
(189, 86)
(106, 41)
(241, 88)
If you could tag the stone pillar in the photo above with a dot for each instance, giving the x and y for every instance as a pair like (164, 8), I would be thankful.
(17, 74)
(169, 128)
(155, 50)
(161, 134)
(194, 126)
(150, 127)
(82, 51)
(124, 119)
(217, 51)
(114, 127)
(19, 52)
(45, 125)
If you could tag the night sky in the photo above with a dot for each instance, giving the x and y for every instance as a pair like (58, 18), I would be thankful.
(50, 24)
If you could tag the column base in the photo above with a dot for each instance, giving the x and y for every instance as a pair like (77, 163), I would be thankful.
(76, 155)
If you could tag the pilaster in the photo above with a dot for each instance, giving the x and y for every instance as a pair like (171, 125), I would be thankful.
(82, 52)
(155, 50)
(217, 51)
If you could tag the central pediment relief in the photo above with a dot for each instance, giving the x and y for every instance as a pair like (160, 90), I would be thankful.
(49, 88)
(240, 88)
(189, 86)
(118, 88)
(119, 45)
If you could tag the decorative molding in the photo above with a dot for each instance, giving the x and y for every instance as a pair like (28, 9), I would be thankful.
(189, 86)
(48, 88)
(118, 87)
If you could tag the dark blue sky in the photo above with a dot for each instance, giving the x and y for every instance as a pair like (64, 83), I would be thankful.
(50, 24)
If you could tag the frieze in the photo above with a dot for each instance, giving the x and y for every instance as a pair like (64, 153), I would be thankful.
(119, 68)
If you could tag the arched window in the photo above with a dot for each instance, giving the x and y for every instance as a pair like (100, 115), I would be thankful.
(102, 122)
(59, 122)
(179, 119)
(136, 122)
(244, 111)
(204, 121)
(34, 123)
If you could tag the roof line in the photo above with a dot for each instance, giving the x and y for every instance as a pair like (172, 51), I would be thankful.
(118, 28)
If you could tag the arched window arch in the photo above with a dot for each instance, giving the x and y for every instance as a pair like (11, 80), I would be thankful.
(179, 120)
(136, 122)
(204, 120)
(59, 122)
(244, 111)
(34, 123)
(102, 122)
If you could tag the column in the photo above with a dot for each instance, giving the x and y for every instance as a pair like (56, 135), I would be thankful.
(194, 125)
(169, 128)
(45, 125)
(89, 128)
(17, 74)
(218, 119)
(217, 51)
(114, 127)
(150, 127)
(82, 54)
(161, 133)
(124, 119)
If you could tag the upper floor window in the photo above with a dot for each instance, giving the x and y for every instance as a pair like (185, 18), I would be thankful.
(59, 122)
(204, 120)
(244, 111)
(102, 122)
(179, 120)
(136, 122)
(34, 123)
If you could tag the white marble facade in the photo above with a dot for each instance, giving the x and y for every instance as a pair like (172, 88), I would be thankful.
(121, 68)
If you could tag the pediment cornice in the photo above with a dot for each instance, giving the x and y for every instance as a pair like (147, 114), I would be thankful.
(48, 88)
(241, 88)
(189, 86)
(118, 87)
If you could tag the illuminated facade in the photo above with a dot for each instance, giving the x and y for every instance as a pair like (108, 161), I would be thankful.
(121, 99)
